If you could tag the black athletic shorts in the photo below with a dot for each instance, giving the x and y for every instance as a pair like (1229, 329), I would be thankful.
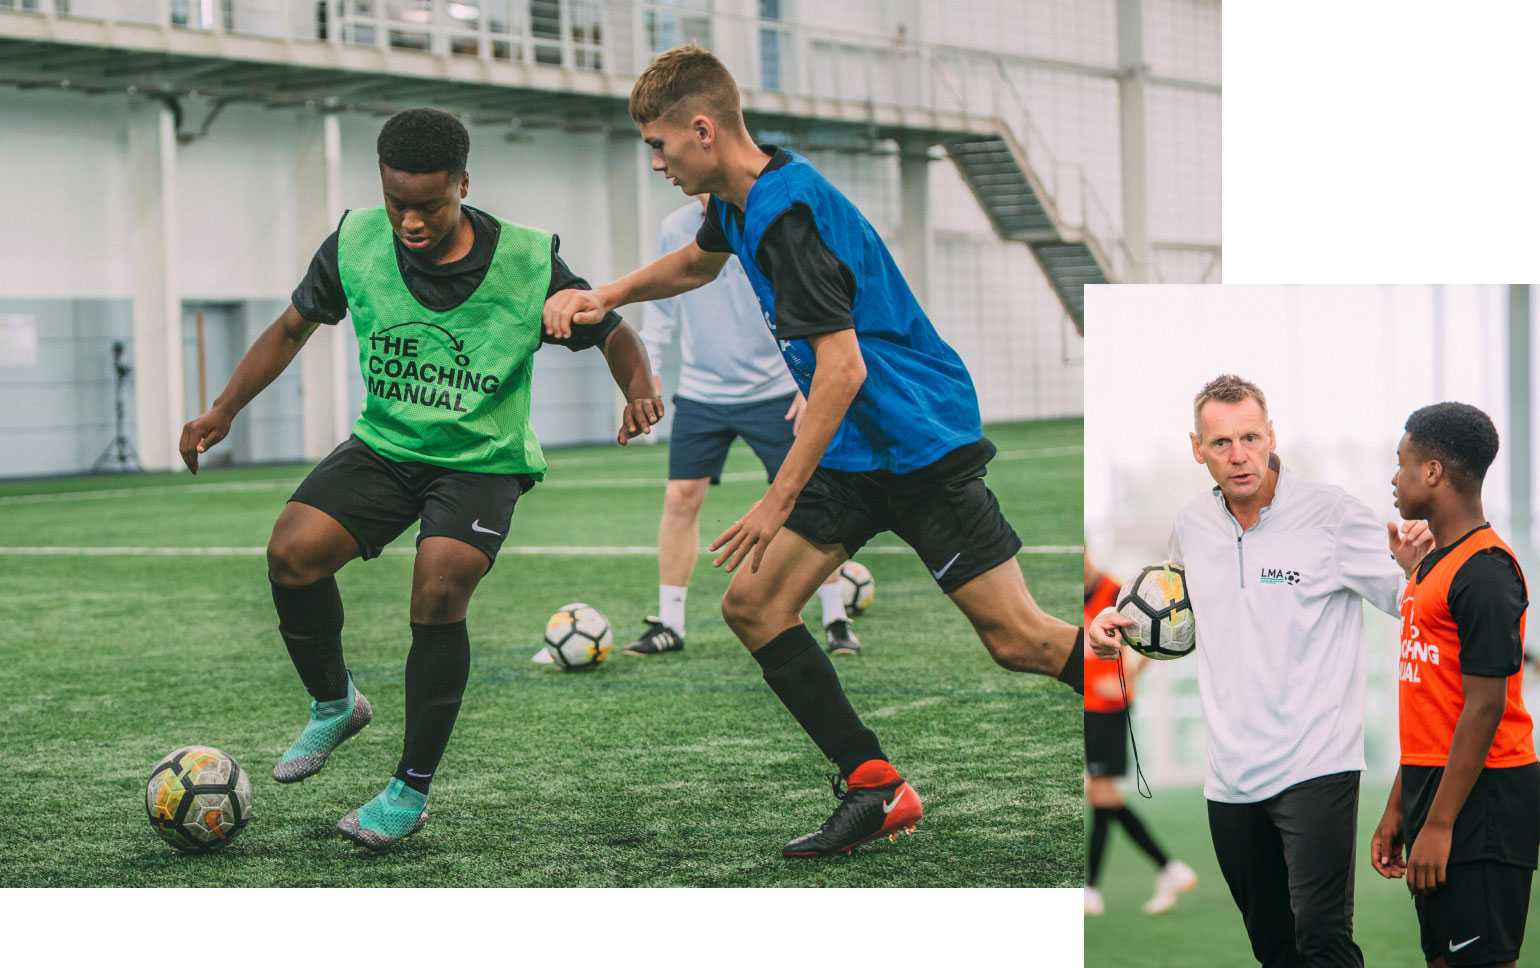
(943, 511)
(1477, 917)
(1492, 856)
(703, 433)
(1106, 743)
(376, 499)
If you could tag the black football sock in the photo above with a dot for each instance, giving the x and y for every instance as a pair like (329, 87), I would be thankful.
(1073, 673)
(1101, 823)
(1141, 836)
(437, 668)
(310, 621)
(804, 679)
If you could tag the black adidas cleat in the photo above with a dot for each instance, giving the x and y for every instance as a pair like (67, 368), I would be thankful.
(658, 639)
(864, 814)
(842, 641)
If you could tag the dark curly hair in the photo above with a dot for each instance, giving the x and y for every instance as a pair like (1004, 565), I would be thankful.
(1460, 436)
(423, 140)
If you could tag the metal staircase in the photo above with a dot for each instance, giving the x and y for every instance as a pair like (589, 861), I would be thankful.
(1073, 251)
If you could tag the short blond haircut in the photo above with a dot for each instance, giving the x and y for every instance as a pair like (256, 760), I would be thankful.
(687, 78)
(1227, 388)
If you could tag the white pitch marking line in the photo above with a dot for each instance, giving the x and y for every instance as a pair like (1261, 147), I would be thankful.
(564, 551)
(595, 483)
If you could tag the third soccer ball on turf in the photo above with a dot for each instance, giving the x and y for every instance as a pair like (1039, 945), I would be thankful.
(198, 799)
(1157, 603)
(857, 587)
(578, 637)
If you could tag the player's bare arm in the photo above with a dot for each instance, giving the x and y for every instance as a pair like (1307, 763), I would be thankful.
(1485, 700)
(627, 357)
(1387, 848)
(837, 378)
(688, 267)
(268, 356)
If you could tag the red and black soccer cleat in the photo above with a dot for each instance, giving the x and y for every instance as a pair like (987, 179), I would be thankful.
(876, 802)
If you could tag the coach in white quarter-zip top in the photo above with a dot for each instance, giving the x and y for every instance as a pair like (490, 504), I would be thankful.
(1277, 568)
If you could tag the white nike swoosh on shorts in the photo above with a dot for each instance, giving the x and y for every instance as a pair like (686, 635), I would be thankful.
(476, 526)
(946, 567)
(1456, 947)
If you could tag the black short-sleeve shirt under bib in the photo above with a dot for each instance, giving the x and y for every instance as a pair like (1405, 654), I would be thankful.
(319, 297)
(814, 290)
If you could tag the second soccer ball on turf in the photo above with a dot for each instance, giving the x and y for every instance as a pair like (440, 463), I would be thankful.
(1157, 603)
(578, 637)
(857, 587)
(198, 799)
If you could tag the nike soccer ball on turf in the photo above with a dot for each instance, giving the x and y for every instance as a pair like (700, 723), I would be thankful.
(857, 587)
(578, 637)
(198, 799)
(1163, 621)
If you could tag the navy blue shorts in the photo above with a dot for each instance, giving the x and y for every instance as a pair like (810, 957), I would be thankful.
(703, 432)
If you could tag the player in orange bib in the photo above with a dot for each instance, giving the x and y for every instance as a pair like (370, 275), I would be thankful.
(1106, 759)
(1466, 800)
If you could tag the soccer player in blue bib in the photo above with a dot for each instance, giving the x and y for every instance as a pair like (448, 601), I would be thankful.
(890, 439)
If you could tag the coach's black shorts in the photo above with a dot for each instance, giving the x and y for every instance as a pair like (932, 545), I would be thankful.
(1477, 917)
(1106, 743)
(703, 433)
(376, 499)
(943, 511)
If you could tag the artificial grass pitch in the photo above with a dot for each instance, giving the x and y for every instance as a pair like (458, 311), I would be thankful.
(675, 770)
(1205, 927)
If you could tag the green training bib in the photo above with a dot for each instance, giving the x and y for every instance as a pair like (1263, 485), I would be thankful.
(447, 388)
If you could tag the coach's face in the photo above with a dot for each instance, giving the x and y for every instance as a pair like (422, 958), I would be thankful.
(424, 207)
(681, 151)
(1235, 442)
(1412, 484)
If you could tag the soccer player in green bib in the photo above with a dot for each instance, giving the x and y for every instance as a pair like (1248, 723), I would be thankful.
(446, 301)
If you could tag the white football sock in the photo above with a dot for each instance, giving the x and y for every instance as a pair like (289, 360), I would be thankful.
(671, 606)
(832, 598)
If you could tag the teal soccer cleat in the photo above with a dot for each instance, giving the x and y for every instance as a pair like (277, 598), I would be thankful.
(330, 724)
(398, 812)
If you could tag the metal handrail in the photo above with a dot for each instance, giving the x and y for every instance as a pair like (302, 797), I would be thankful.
(861, 66)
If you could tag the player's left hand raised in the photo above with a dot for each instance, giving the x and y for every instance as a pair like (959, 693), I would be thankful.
(639, 417)
(752, 532)
(1428, 865)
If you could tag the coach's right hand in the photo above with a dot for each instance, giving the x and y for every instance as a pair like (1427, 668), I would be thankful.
(201, 433)
(1102, 632)
(581, 306)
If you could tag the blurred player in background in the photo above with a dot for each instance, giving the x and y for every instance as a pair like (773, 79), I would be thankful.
(1278, 569)
(891, 439)
(447, 302)
(1462, 824)
(1107, 715)
(732, 383)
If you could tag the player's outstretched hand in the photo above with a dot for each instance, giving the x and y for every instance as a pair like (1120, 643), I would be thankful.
(581, 306)
(1428, 865)
(201, 433)
(1102, 632)
(639, 417)
(752, 532)
(1387, 848)
(1409, 543)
